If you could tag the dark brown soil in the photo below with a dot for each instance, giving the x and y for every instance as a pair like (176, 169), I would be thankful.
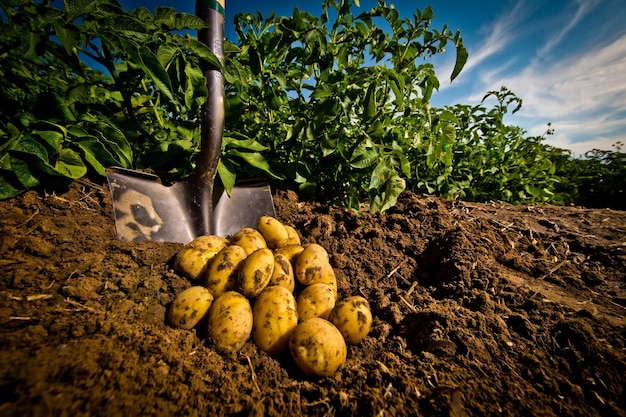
(479, 310)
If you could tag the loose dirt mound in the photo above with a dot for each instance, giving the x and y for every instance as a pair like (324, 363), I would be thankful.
(480, 309)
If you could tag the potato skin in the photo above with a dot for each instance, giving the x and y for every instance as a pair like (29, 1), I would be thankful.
(316, 300)
(311, 264)
(190, 307)
(194, 258)
(273, 231)
(353, 317)
(291, 252)
(221, 274)
(255, 272)
(294, 237)
(248, 238)
(229, 323)
(283, 273)
(317, 347)
(275, 316)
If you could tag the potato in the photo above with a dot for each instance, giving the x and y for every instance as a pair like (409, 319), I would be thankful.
(311, 264)
(283, 273)
(294, 237)
(190, 307)
(291, 252)
(255, 272)
(316, 300)
(221, 274)
(317, 347)
(194, 258)
(273, 231)
(329, 278)
(229, 323)
(274, 316)
(248, 238)
(353, 317)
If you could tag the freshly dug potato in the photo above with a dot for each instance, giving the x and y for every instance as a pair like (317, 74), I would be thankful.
(283, 273)
(291, 252)
(353, 317)
(316, 300)
(229, 323)
(311, 264)
(248, 238)
(222, 272)
(273, 231)
(255, 272)
(275, 316)
(194, 258)
(317, 347)
(190, 307)
(329, 278)
(294, 237)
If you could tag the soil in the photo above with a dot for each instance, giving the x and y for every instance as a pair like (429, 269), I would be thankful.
(479, 310)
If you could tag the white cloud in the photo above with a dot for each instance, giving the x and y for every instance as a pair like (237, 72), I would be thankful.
(584, 96)
(583, 93)
(498, 35)
(583, 7)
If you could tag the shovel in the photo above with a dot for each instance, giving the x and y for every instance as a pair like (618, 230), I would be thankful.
(145, 209)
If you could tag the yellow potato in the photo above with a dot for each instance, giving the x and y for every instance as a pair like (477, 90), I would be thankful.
(222, 272)
(190, 307)
(311, 264)
(229, 323)
(353, 317)
(328, 277)
(291, 252)
(248, 238)
(273, 231)
(294, 237)
(283, 273)
(316, 300)
(317, 347)
(275, 316)
(195, 257)
(255, 272)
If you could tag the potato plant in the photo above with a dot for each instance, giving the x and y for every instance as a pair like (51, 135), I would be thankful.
(336, 106)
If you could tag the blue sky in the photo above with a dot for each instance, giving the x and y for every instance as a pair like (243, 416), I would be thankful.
(565, 58)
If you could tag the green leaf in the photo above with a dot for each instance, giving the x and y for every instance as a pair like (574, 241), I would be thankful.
(238, 141)
(156, 71)
(7, 188)
(23, 172)
(68, 35)
(393, 187)
(254, 159)
(204, 52)
(227, 175)
(364, 157)
(115, 140)
(70, 164)
(96, 154)
(369, 102)
(461, 60)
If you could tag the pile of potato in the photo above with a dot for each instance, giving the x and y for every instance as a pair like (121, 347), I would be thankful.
(264, 284)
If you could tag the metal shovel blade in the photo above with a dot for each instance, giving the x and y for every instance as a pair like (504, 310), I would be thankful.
(145, 209)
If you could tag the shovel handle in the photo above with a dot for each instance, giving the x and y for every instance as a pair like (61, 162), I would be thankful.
(212, 128)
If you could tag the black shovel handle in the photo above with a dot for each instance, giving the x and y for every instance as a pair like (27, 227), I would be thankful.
(212, 127)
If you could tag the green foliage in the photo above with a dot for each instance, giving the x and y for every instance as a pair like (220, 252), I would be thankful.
(336, 106)
(596, 180)
(92, 86)
(337, 100)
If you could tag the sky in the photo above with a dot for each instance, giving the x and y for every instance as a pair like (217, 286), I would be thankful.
(566, 59)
